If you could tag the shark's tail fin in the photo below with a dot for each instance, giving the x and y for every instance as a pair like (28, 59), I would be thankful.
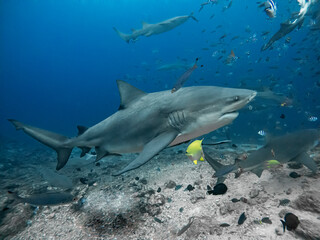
(125, 37)
(191, 16)
(51, 139)
(221, 170)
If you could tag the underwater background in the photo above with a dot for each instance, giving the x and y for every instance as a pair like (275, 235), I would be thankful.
(59, 60)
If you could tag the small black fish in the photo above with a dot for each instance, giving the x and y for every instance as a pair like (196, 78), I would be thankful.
(242, 218)
(224, 225)
(291, 221)
(218, 189)
(284, 202)
(189, 187)
(266, 220)
(294, 175)
(234, 200)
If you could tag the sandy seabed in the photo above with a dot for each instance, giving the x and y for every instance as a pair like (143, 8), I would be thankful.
(153, 202)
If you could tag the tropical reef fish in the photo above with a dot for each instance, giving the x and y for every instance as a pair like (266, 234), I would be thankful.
(272, 163)
(312, 119)
(231, 58)
(148, 123)
(242, 218)
(262, 133)
(194, 151)
(157, 28)
(270, 8)
(290, 222)
(290, 147)
(218, 189)
(184, 77)
(45, 199)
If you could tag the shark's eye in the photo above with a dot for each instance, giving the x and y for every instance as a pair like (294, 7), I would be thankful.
(236, 98)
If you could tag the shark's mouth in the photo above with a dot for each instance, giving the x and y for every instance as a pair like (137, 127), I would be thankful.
(230, 115)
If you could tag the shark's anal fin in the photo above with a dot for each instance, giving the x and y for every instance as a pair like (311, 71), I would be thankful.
(257, 171)
(306, 160)
(150, 150)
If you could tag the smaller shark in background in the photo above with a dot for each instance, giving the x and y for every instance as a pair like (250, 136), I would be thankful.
(288, 26)
(157, 28)
(285, 28)
(287, 148)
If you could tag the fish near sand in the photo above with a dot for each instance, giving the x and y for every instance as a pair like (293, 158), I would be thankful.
(45, 199)
(287, 148)
(149, 29)
(290, 222)
(194, 151)
(149, 122)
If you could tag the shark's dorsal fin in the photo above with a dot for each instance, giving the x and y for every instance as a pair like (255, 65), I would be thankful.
(128, 94)
(145, 24)
(81, 129)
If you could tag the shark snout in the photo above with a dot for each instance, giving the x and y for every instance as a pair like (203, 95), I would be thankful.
(252, 96)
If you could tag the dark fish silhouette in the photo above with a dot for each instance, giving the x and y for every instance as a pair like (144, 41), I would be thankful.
(242, 218)
(184, 77)
(218, 189)
(291, 221)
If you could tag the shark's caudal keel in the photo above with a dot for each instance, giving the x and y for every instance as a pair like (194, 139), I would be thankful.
(53, 140)
(149, 122)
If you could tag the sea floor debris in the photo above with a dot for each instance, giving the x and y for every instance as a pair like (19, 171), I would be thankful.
(132, 207)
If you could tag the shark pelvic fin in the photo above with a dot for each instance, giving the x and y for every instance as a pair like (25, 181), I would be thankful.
(150, 150)
(257, 171)
(128, 94)
(306, 160)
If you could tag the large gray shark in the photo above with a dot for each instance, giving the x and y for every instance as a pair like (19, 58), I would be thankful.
(157, 28)
(290, 147)
(149, 122)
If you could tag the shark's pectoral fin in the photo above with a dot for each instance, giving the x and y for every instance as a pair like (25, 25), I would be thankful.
(258, 171)
(148, 34)
(84, 151)
(306, 160)
(150, 150)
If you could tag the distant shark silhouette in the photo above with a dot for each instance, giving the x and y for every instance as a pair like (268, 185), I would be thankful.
(157, 28)
(287, 148)
(288, 26)
(149, 122)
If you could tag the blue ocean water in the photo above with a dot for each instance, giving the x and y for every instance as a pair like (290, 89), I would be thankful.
(59, 60)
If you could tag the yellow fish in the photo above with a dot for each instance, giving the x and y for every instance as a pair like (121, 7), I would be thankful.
(194, 151)
(272, 163)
